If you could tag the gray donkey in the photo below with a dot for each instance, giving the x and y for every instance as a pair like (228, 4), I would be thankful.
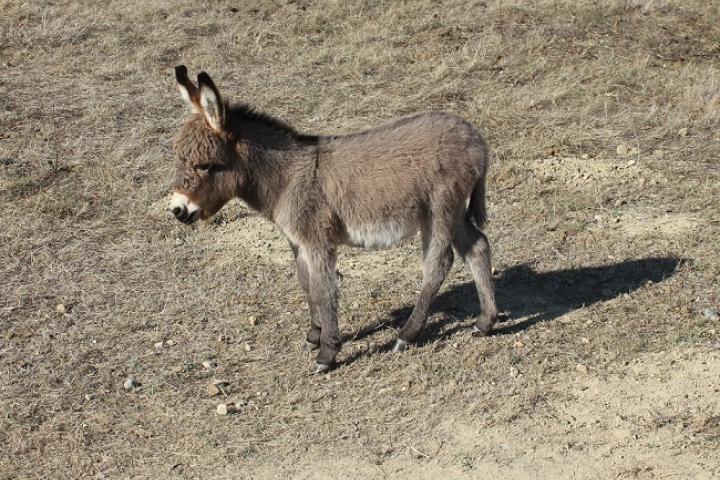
(369, 189)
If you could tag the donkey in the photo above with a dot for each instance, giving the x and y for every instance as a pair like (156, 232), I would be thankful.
(368, 189)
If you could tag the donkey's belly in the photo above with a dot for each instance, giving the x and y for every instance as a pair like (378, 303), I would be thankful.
(379, 235)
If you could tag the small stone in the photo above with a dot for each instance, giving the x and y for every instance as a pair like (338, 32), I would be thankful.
(585, 156)
(683, 132)
(619, 202)
(226, 408)
(248, 347)
(179, 241)
(711, 314)
(216, 387)
(623, 150)
(630, 163)
(158, 344)
(61, 308)
(130, 383)
(178, 369)
(518, 345)
(514, 372)
(581, 368)
(584, 340)
(170, 343)
(252, 320)
(208, 364)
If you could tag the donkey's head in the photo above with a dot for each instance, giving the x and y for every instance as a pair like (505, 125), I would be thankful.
(206, 176)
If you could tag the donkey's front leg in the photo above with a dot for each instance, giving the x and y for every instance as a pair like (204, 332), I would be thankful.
(324, 297)
(312, 340)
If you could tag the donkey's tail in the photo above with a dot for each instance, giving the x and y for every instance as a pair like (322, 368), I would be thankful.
(476, 210)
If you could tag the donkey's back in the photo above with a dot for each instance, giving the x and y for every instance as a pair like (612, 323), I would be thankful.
(388, 182)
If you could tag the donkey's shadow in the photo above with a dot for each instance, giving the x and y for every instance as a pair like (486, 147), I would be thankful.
(528, 297)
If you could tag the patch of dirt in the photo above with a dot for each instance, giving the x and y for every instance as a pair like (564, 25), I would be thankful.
(666, 225)
(576, 172)
(639, 421)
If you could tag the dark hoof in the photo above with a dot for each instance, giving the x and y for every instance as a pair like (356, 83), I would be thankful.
(320, 368)
(309, 347)
(400, 346)
(480, 332)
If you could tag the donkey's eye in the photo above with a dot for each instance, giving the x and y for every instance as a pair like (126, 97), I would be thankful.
(205, 167)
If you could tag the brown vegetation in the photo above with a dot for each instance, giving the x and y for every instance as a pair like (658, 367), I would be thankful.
(604, 194)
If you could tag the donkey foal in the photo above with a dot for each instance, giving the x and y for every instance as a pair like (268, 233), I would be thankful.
(371, 189)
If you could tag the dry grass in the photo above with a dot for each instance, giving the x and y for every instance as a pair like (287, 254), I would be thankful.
(606, 365)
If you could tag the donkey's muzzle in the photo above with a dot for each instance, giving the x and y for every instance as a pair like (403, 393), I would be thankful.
(184, 215)
(183, 209)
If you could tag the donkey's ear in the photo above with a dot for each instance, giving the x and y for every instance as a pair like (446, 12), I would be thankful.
(189, 92)
(210, 101)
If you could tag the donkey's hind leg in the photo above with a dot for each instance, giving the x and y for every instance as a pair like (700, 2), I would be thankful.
(473, 247)
(312, 340)
(437, 261)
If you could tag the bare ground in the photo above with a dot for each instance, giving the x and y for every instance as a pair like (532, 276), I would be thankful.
(604, 192)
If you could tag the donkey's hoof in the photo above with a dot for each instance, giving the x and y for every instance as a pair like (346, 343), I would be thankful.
(309, 346)
(400, 346)
(320, 368)
(480, 332)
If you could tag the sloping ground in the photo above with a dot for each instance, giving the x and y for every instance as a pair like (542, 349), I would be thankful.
(643, 420)
(603, 199)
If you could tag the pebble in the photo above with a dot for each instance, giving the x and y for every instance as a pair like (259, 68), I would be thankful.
(130, 383)
(683, 132)
(626, 151)
(248, 347)
(711, 314)
(252, 320)
(216, 387)
(514, 372)
(178, 242)
(208, 364)
(226, 408)
(158, 344)
(581, 368)
(620, 202)
(61, 308)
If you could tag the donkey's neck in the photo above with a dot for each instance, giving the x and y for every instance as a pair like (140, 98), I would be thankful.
(271, 151)
(269, 172)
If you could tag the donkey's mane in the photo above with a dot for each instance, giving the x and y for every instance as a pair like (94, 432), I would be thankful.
(242, 112)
